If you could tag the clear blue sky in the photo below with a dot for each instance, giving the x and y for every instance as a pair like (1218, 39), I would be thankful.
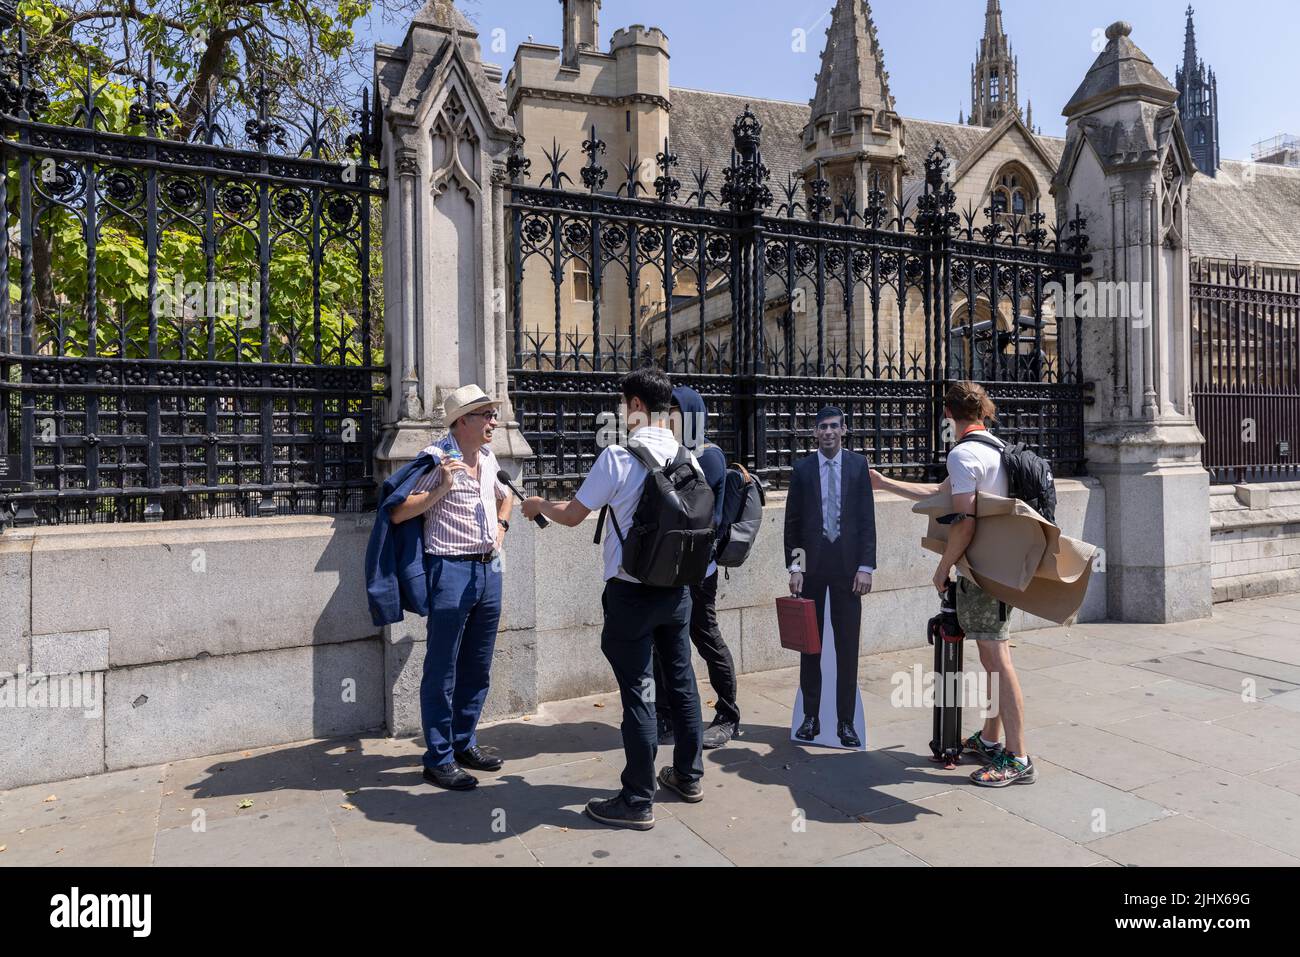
(745, 47)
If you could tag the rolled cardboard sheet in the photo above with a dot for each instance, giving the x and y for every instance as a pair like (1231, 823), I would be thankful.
(1017, 556)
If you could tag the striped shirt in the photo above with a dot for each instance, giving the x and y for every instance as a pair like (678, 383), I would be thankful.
(464, 521)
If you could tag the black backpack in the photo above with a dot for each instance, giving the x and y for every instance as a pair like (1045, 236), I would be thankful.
(670, 543)
(742, 517)
(1029, 476)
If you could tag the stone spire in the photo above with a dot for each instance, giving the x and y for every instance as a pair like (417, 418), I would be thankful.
(853, 77)
(1198, 104)
(1189, 44)
(994, 77)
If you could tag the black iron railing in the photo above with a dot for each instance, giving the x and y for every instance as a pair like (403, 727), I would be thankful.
(191, 324)
(1246, 369)
(771, 317)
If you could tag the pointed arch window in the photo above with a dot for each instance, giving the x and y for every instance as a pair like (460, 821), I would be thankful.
(1014, 195)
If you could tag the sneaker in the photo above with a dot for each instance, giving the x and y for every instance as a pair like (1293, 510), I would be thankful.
(615, 812)
(975, 745)
(665, 730)
(719, 733)
(691, 793)
(1005, 769)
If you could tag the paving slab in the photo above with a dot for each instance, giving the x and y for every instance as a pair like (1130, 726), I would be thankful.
(135, 792)
(1287, 777)
(1249, 808)
(1099, 676)
(1277, 647)
(1200, 671)
(957, 828)
(1274, 726)
(1207, 743)
(1109, 758)
(882, 855)
(1183, 841)
(669, 844)
(116, 838)
(761, 817)
(281, 835)
(1073, 805)
(1290, 701)
(1185, 698)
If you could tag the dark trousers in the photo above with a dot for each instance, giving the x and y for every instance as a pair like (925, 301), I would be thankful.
(464, 610)
(640, 620)
(707, 639)
(846, 620)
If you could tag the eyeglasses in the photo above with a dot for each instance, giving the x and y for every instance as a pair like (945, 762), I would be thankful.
(490, 414)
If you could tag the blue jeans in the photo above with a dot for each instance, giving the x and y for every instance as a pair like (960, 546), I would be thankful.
(464, 609)
(637, 619)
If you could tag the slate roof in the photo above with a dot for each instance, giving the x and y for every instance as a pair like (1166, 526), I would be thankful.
(1251, 210)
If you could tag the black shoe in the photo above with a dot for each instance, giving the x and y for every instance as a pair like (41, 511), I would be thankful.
(450, 777)
(810, 728)
(476, 759)
(719, 733)
(665, 730)
(692, 793)
(616, 812)
(848, 737)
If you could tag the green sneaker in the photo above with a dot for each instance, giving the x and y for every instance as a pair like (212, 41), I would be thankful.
(1005, 769)
(975, 745)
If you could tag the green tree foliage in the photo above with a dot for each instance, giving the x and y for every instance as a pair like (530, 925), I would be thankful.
(198, 316)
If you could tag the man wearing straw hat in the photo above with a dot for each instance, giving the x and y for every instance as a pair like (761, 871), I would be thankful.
(466, 512)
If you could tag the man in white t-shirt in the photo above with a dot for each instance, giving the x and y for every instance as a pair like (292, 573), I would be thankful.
(974, 466)
(640, 617)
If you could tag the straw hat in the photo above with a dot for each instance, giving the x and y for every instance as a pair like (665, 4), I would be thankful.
(467, 398)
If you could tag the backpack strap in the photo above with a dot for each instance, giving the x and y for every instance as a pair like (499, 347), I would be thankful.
(600, 526)
(980, 436)
(642, 455)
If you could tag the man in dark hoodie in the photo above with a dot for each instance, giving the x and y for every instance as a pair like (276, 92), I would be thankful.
(690, 415)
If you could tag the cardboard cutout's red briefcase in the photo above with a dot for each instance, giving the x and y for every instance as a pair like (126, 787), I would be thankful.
(797, 620)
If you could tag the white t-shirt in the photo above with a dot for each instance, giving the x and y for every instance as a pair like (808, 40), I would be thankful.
(976, 466)
(615, 480)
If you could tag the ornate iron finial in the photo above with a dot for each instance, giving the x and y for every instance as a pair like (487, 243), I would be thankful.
(700, 195)
(367, 139)
(593, 174)
(819, 199)
(517, 164)
(261, 130)
(746, 133)
(555, 179)
(632, 176)
(8, 13)
(745, 188)
(934, 208)
(153, 111)
(19, 94)
(1077, 241)
(667, 186)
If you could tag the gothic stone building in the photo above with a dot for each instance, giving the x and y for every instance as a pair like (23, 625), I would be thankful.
(851, 134)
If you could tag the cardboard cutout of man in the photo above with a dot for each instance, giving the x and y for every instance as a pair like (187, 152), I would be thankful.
(830, 549)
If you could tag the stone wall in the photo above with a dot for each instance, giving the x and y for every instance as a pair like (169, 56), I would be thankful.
(1255, 540)
(195, 638)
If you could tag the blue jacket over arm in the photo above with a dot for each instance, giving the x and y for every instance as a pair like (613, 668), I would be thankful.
(396, 574)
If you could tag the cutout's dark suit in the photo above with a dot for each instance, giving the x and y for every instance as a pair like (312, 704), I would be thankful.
(831, 567)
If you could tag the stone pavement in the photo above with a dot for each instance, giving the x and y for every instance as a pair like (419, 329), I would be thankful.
(1149, 753)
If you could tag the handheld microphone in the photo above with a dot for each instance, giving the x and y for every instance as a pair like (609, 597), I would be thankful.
(541, 520)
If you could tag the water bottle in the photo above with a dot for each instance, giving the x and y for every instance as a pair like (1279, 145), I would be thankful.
(456, 456)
